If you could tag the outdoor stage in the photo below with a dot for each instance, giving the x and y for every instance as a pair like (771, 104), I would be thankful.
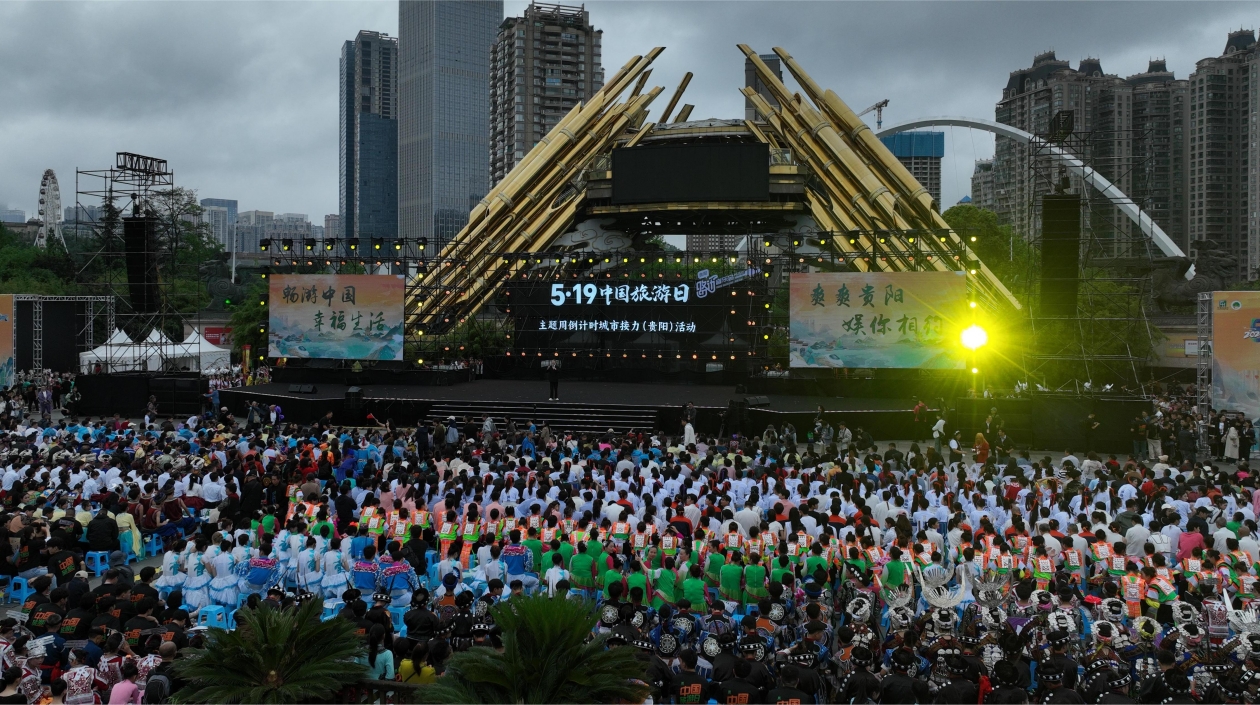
(1047, 421)
(585, 407)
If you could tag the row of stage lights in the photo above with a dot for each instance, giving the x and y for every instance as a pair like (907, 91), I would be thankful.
(378, 250)
(643, 356)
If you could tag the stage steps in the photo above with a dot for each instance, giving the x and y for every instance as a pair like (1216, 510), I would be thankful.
(576, 418)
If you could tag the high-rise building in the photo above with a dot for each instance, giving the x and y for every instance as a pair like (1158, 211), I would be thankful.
(1160, 107)
(541, 65)
(252, 227)
(1031, 98)
(12, 215)
(368, 154)
(752, 81)
(220, 229)
(317, 232)
(228, 203)
(982, 184)
(1128, 129)
(443, 113)
(920, 153)
(332, 225)
(1221, 98)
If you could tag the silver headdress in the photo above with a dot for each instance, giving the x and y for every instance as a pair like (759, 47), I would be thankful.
(900, 614)
(935, 588)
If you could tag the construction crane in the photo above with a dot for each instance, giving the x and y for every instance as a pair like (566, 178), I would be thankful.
(879, 113)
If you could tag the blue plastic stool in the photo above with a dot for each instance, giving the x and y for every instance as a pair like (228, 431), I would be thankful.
(97, 562)
(129, 553)
(396, 616)
(242, 598)
(212, 616)
(431, 578)
(19, 590)
(331, 608)
(153, 545)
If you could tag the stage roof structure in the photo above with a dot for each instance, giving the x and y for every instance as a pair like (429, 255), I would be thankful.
(851, 183)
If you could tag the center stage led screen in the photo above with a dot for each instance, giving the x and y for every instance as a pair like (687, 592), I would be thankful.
(682, 173)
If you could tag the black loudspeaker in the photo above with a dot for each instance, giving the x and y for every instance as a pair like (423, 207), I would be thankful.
(295, 389)
(1060, 255)
(140, 254)
(308, 389)
(758, 401)
(736, 416)
(354, 399)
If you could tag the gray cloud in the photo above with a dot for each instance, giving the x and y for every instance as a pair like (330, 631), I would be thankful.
(241, 98)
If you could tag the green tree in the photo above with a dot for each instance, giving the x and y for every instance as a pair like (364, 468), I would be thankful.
(1009, 256)
(274, 656)
(248, 317)
(546, 658)
(26, 269)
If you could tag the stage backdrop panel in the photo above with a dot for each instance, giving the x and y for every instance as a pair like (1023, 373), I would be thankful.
(7, 363)
(342, 316)
(877, 319)
(1236, 351)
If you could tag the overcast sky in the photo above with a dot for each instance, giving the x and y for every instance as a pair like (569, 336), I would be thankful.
(241, 97)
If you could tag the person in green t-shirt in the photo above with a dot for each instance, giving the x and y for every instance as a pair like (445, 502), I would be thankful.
(693, 588)
(582, 572)
(637, 578)
(754, 581)
(535, 546)
(664, 584)
(816, 560)
(713, 564)
(896, 570)
(780, 567)
(731, 579)
(610, 575)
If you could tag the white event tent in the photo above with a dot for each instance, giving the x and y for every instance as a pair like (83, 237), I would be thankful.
(156, 352)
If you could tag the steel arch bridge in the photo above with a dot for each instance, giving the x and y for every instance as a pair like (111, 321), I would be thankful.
(1143, 220)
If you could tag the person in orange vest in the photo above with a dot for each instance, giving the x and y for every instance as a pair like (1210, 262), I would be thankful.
(400, 528)
(448, 531)
(1132, 590)
(1074, 564)
(733, 540)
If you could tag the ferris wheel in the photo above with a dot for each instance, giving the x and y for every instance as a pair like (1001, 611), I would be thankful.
(49, 211)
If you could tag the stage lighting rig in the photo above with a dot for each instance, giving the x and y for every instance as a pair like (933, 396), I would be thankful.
(264, 244)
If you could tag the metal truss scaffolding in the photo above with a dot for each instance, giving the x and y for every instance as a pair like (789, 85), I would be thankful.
(1108, 338)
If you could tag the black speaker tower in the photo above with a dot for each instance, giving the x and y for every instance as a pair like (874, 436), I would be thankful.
(1060, 255)
(140, 251)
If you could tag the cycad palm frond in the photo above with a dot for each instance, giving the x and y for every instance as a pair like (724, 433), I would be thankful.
(273, 656)
(546, 658)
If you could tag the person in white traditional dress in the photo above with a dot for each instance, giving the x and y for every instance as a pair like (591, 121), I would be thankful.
(223, 588)
(309, 567)
(197, 584)
(172, 577)
(336, 573)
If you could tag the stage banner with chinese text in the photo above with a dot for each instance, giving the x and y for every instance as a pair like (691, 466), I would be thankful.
(342, 316)
(6, 341)
(1236, 351)
(877, 319)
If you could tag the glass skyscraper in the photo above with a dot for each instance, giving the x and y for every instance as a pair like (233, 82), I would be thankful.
(368, 154)
(444, 113)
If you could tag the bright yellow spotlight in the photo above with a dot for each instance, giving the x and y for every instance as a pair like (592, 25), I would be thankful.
(975, 370)
(974, 337)
(972, 304)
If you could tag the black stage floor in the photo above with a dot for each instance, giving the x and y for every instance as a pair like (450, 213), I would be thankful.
(582, 393)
